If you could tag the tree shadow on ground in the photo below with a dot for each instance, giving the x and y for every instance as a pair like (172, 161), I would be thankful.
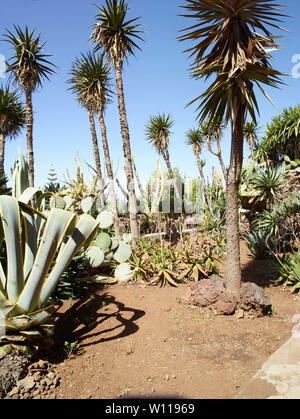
(85, 322)
(257, 271)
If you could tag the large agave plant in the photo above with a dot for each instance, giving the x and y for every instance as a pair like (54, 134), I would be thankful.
(37, 251)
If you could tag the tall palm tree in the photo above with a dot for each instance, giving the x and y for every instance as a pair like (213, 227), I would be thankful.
(116, 35)
(85, 87)
(91, 83)
(12, 119)
(251, 136)
(28, 66)
(196, 139)
(232, 44)
(158, 132)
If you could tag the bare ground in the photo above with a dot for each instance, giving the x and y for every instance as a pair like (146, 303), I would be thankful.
(136, 341)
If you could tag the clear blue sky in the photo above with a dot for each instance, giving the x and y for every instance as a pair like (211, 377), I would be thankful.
(156, 80)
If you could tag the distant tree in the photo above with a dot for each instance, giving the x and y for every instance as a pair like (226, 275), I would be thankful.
(251, 136)
(196, 139)
(91, 83)
(158, 132)
(28, 66)
(12, 119)
(116, 34)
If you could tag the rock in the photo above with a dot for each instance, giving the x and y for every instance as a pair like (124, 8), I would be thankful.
(205, 292)
(27, 383)
(254, 300)
(225, 305)
(239, 314)
(12, 368)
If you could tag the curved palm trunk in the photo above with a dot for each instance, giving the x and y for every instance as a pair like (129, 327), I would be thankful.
(206, 194)
(127, 152)
(233, 274)
(97, 159)
(29, 134)
(2, 151)
(110, 175)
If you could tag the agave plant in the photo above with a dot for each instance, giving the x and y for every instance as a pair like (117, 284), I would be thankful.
(37, 253)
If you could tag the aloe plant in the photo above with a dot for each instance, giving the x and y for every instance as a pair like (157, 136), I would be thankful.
(36, 256)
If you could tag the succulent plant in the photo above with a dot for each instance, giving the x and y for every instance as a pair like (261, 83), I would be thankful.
(123, 252)
(124, 272)
(106, 219)
(103, 241)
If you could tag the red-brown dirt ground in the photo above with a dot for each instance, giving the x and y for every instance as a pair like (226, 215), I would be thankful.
(139, 342)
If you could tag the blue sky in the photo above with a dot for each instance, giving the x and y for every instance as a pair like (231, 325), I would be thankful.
(156, 80)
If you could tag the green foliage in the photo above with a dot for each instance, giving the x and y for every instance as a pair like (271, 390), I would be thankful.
(32, 241)
(114, 32)
(28, 65)
(281, 137)
(157, 264)
(258, 243)
(12, 112)
(286, 269)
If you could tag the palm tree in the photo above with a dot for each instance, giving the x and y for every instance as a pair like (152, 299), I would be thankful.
(251, 136)
(12, 119)
(158, 132)
(85, 87)
(214, 131)
(116, 35)
(91, 83)
(228, 45)
(196, 139)
(29, 67)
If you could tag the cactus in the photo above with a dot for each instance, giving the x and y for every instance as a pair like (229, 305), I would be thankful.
(124, 272)
(123, 252)
(106, 219)
(94, 256)
(88, 205)
(57, 202)
(103, 241)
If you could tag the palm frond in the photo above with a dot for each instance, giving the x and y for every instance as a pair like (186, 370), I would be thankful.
(112, 32)
(28, 66)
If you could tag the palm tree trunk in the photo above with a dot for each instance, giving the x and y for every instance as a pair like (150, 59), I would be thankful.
(233, 274)
(206, 194)
(97, 159)
(218, 154)
(127, 152)
(29, 134)
(171, 174)
(2, 151)
(110, 175)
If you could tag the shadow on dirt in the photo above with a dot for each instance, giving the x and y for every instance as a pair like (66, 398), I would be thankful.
(92, 320)
(257, 271)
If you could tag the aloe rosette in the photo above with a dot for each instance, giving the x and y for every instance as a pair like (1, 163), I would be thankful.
(38, 250)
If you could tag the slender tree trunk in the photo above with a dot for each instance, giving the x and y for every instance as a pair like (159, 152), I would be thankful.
(2, 151)
(29, 134)
(219, 155)
(97, 159)
(110, 175)
(233, 274)
(171, 174)
(127, 152)
(206, 194)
